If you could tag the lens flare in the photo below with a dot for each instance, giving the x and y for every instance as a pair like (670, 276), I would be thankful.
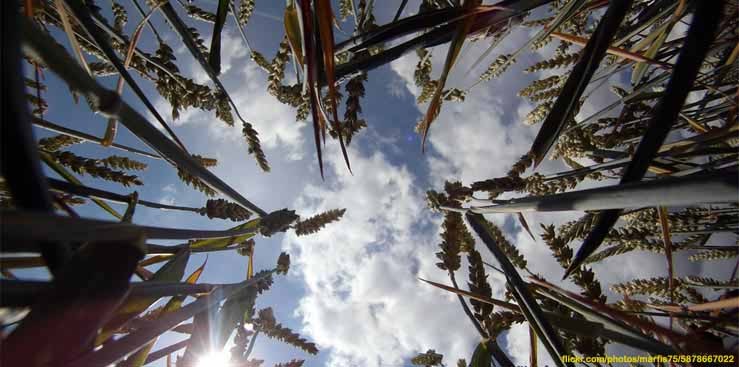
(214, 359)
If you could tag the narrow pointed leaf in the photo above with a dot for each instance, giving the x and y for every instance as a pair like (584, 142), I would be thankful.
(454, 49)
(478, 297)
(166, 352)
(325, 16)
(40, 45)
(293, 32)
(311, 78)
(214, 56)
(698, 41)
(112, 128)
(58, 312)
(525, 225)
(23, 173)
(172, 271)
(528, 305)
(116, 350)
(140, 357)
(569, 98)
(50, 126)
(182, 30)
(25, 226)
(62, 171)
(533, 346)
(715, 187)
(83, 16)
(481, 356)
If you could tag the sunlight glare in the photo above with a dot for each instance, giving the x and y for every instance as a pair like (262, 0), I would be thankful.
(214, 359)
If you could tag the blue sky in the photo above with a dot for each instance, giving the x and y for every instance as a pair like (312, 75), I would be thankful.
(353, 287)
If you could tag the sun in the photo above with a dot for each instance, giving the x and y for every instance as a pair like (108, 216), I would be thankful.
(214, 359)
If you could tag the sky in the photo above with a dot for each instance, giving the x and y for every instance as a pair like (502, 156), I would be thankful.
(353, 288)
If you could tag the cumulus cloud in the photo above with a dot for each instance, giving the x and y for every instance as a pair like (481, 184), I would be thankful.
(363, 300)
(246, 84)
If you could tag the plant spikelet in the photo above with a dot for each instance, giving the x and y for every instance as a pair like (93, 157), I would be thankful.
(267, 325)
(94, 168)
(498, 67)
(246, 8)
(317, 222)
(553, 63)
(58, 142)
(430, 358)
(220, 208)
(252, 140)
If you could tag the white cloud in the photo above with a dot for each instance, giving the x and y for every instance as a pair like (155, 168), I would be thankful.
(246, 84)
(362, 296)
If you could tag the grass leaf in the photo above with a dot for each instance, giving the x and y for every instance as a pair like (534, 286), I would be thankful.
(568, 101)
(455, 47)
(528, 305)
(40, 45)
(698, 41)
(214, 56)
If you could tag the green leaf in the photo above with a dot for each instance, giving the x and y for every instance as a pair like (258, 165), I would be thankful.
(214, 57)
(117, 349)
(42, 46)
(140, 357)
(66, 309)
(568, 101)
(697, 43)
(219, 243)
(481, 356)
(172, 271)
(530, 309)
(59, 169)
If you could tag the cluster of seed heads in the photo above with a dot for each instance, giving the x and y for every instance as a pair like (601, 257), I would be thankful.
(658, 286)
(540, 85)
(422, 73)
(537, 22)
(554, 63)
(508, 249)
(58, 142)
(200, 14)
(267, 325)
(183, 92)
(277, 67)
(582, 276)
(94, 168)
(355, 91)
(430, 358)
(539, 113)
(522, 164)
(712, 255)
(220, 208)
(120, 15)
(317, 222)
(277, 221)
(454, 234)
(498, 67)
(478, 284)
(345, 9)
(499, 185)
(118, 162)
(246, 8)
(195, 182)
(427, 91)
(260, 60)
(252, 140)
(292, 363)
(497, 322)
(39, 104)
